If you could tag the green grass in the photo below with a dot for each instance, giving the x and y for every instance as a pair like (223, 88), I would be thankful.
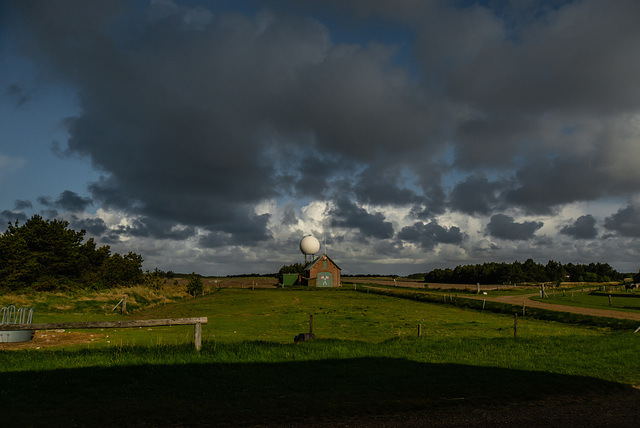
(367, 359)
(278, 315)
(629, 302)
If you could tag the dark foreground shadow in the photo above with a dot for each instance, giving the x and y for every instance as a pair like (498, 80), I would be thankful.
(354, 392)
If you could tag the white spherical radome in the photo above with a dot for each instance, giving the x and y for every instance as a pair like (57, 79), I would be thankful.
(309, 245)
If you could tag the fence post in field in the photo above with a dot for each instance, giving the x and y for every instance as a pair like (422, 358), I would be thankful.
(478, 288)
(609, 299)
(515, 324)
(484, 302)
(197, 336)
(124, 305)
(419, 330)
(523, 308)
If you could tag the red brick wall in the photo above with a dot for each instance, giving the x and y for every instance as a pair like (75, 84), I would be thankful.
(318, 267)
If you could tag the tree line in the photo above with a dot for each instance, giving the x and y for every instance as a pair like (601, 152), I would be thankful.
(527, 272)
(46, 255)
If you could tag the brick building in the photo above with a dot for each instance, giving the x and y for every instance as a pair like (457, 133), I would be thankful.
(322, 272)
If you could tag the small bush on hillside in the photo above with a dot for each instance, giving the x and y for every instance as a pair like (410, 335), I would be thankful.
(194, 286)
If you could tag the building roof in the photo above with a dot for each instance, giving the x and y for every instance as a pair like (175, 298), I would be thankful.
(309, 265)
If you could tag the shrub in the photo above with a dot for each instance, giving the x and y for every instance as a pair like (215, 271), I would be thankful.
(194, 286)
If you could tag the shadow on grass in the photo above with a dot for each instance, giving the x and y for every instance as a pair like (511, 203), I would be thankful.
(289, 393)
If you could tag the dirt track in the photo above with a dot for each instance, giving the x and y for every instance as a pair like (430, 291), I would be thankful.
(526, 298)
(514, 300)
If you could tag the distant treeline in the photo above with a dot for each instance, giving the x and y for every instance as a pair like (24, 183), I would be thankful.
(529, 271)
(46, 255)
(371, 275)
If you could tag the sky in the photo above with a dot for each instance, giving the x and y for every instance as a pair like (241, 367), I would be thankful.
(211, 136)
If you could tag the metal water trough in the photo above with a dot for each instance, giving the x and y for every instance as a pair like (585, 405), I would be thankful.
(11, 315)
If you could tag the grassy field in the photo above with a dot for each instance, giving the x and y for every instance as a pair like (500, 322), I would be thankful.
(620, 301)
(367, 360)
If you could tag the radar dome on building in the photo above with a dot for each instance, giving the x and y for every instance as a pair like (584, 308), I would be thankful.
(309, 245)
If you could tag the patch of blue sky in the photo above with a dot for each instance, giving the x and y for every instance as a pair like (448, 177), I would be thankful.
(31, 122)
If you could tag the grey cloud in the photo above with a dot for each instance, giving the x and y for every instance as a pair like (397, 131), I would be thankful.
(70, 201)
(476, 195)
(379, 186)
(527, 79)
(153, 228)
(583, 228)
(431, 234)
(289, 215)
(21, 204)
(570, 60)
(544, 183)
(250, 232)
(626, 221)
(504, 227)
(346, 214)
(49, 213)
(67, 201)
(94, 226)
(194, 116)
(175, 116)
(11, 217)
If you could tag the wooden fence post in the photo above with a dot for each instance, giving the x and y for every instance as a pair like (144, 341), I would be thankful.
(419, 330)
(515, 325)
(609, 299)
(124, 305)
(197, 336)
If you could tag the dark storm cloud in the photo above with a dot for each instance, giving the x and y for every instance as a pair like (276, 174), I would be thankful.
(70, 201)
(378, 186)
(536, 83)
(7, 216)
(94, 226)
(248, 233)
(21, 204)
(583, 228)
(190, 113)
(431, 234)
(289, 215)
(153, 228)
(626, 221)
(67, 201)
(196, 116)
(544, 183)
(504, 227)
(346, 214)
(572, 60)
(476, 195)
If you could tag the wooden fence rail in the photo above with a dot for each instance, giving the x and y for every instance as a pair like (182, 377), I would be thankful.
(196, 322)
